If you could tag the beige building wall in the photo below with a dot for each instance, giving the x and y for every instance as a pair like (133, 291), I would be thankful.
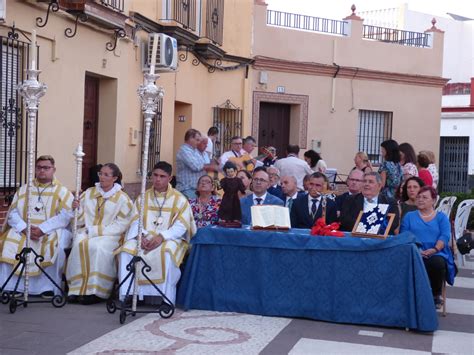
(64, 62)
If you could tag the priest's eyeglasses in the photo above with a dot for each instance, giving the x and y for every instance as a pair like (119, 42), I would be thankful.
(43, 167)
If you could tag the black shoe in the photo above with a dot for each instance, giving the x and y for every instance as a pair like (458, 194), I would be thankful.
(90, 299)
(438, 301)
(47, 295)
(73, 299)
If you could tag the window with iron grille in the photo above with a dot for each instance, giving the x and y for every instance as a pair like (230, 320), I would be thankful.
(374, 128)
(155, 138)
(13, 128)
(228, 119)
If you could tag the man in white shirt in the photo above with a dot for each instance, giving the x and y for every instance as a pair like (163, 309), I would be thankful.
(235, 153)
(292, 165)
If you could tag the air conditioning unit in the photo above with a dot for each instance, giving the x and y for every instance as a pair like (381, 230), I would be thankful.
(166, 53)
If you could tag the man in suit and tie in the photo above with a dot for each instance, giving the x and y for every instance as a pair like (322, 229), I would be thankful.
(308, 208)
(354, 182)
(369, 197)
(260, 196)
(290, 190)
(275, 188)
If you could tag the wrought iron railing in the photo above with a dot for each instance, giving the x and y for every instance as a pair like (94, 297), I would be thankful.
(228, 119)
(308, 23)
(215, 20)
(374, 128)
(453, 164)
(181, 11)
(117, 5)
(391, 35)
(14, 56)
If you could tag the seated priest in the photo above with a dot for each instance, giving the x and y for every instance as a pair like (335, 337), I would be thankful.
(105, 212)
(308, 208)
(369, 197)
(260, 196)
(50, 206)
(168, 225)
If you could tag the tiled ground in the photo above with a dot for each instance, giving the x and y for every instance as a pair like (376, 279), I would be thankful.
(41, 329)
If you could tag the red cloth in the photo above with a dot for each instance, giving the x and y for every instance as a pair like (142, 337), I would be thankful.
(425, 175)
(322, 229)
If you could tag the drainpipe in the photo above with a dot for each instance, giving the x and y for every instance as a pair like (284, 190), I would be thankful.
(333, 93)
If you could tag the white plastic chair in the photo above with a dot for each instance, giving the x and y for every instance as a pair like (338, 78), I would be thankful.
(446, 205)
(460, 221)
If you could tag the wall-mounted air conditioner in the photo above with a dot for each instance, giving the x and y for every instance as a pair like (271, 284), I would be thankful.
(166, 53)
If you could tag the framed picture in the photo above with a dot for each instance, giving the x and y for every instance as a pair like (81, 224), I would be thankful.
(374, 222)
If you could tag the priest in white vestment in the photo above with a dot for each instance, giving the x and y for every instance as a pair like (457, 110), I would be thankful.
(168, 225)
(50, 215)
(105, 213)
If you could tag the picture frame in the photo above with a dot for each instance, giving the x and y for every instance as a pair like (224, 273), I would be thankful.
(368, 226)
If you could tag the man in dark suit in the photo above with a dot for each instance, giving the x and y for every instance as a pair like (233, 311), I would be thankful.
(308, 208)
(290, 190)
(275, 188)
(260, 196)
(370, 196)
(354, 182)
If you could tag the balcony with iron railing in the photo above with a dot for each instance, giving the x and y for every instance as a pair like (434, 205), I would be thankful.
(391, 35)
(307, 23)
(117, 5)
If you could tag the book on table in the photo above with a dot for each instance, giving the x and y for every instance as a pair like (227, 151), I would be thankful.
(270, 217)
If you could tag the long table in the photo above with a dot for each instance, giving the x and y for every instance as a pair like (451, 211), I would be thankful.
(294, 274)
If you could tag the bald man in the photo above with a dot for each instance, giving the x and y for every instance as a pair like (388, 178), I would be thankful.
(290, 190)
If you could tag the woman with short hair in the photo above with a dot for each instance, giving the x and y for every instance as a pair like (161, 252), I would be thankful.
(206, 205)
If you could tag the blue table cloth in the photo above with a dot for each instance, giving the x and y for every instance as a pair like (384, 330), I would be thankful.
(294, 274)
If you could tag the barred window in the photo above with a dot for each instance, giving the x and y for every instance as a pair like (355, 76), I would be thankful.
(228, 119)
(374, 128)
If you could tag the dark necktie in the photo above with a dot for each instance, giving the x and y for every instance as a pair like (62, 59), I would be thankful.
(259, 200)
(314, 207)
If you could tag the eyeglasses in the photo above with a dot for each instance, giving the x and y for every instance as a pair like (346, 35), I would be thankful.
(422, 197)
(237, 143)
(43, 167)
(273, 175)
(205, 182)
(355, 180)
(104, 174)
(259, 181)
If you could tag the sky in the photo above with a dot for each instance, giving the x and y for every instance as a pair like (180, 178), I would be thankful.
(337, 9)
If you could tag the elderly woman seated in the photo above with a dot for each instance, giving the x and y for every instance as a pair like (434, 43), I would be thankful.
(206, 205)
(432, 231)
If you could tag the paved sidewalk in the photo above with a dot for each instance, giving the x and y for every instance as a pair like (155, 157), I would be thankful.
(42, 329)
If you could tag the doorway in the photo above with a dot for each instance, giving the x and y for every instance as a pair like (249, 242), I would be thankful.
(274, 126)
(90, 130)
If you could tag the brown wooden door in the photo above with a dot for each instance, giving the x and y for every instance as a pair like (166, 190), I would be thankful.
(274, 126)
(90, 128)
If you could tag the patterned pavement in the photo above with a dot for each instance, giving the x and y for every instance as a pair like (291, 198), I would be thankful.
(76, 329)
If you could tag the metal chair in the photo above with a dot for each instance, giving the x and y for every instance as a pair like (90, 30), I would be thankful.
(446, 205)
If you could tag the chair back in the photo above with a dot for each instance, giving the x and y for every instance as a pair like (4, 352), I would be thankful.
(446, 205)
(462, 217)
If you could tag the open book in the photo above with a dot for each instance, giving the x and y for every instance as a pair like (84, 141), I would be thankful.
(270, 217)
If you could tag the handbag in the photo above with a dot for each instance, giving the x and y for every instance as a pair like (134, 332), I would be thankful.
(465, 244)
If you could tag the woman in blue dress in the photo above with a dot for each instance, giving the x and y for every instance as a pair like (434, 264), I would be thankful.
(391, 171)
(433, 231)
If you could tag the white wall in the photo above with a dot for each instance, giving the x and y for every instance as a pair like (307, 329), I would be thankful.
(460, 124)
(458, 37)
(456, 100)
